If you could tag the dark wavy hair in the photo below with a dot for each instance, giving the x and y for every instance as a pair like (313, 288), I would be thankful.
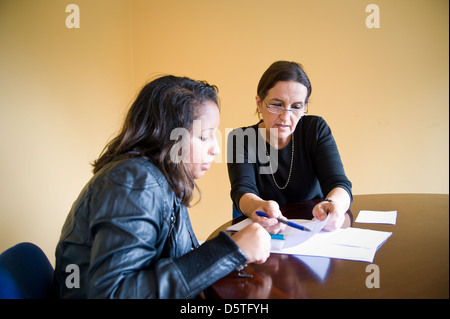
(164, 104)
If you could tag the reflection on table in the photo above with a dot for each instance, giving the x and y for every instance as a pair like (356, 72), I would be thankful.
(413, 263)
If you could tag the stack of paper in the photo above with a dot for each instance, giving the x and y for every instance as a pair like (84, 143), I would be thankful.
(349, 243)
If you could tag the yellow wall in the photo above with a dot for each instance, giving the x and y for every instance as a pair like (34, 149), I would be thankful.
(63, 92)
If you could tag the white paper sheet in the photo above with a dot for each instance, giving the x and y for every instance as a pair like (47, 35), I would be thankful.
(349, 243)
(377, 217)
(314, 225)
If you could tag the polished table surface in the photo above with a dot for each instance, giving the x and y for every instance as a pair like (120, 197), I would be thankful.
(412, 263)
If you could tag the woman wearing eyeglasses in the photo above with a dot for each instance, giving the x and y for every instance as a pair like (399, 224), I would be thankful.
(286, 157)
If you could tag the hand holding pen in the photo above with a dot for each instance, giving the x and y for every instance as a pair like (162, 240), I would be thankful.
(271, 224)
(286, 222)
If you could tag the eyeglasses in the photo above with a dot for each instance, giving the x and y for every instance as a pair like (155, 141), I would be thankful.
(296, 109)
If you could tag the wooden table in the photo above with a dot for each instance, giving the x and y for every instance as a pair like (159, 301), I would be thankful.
(412, 263)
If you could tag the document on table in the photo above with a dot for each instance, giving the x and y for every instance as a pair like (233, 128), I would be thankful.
(377, 217)
(349, 243)
(314, 225)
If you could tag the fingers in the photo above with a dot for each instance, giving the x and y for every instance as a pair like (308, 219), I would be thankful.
(335, 222)
(335, 217)
(270, 224)
(277, 227)
(255, 242)
(320, 212)
(272, 210)
(263, 221)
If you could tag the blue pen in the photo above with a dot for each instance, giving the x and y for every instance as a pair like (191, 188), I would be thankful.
(262, 214)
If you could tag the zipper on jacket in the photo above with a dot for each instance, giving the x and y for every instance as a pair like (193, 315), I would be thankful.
(172, 223)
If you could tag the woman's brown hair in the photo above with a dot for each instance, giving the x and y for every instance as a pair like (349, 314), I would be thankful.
(283, 71)
(164, 104)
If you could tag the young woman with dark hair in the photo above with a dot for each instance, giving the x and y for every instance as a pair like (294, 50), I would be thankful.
(129, 233)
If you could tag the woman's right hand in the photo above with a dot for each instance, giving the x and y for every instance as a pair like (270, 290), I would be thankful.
(254, 241)
(272, 209)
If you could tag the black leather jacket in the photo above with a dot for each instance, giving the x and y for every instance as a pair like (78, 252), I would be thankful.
(131, 237)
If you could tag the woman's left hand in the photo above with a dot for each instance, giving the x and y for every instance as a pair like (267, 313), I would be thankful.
(336, 215)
